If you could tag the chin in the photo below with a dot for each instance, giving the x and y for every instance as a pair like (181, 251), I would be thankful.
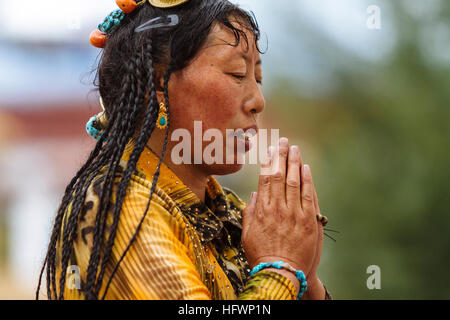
(223, 169)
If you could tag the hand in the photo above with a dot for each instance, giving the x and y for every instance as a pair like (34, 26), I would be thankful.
(313, 272)
(315, 290)
(280, 221)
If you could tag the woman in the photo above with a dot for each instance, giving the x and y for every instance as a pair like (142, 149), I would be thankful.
(134, 223)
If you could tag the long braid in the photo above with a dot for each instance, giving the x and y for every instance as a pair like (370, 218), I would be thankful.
(72, 221)
(149, 122)
(108, 153)
(138, 102)
(51, 252)
(70, 227)
(126, 121)
(50, 258)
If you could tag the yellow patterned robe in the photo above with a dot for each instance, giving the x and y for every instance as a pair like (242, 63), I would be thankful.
(186, 249)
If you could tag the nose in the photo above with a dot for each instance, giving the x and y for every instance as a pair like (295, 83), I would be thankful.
(255, 104)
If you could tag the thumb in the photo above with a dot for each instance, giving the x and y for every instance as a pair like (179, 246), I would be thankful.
(247, 213)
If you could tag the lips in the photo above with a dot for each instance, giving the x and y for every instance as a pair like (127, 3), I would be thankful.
(254, 127)
(245, 135)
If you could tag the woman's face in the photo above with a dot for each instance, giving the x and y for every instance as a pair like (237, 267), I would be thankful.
(220, 88)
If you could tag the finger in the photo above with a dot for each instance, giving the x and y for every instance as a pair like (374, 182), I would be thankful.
(307, 193)
(300, 173)
(293, 179)
(320, 236)
(319, 223)
(321, 219)
(278, 178)
(264, 177)
(248, 213)
(319, 242)
(318, 252)
(316, 200)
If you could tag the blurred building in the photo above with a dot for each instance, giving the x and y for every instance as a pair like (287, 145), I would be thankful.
(46, 65)
(41, 150)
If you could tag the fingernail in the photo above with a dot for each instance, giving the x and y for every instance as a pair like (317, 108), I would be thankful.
(253, 197)
(268, 158)
(294, 150)
(307, 170)
(283, 142)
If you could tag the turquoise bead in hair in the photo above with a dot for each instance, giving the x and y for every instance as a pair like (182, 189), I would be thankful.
(112, 21)
(91, 130)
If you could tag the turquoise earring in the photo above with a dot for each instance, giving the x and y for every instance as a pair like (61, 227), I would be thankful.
(161, 123)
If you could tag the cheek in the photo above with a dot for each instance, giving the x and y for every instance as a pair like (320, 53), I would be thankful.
(220, 104)
(213, 99)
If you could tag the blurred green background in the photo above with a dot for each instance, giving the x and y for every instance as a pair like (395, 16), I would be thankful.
(378, 145)
(369, 109)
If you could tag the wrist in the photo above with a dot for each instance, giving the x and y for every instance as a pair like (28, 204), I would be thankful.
(315, 291)
(289, 275)
(296, 277)
(272, 259)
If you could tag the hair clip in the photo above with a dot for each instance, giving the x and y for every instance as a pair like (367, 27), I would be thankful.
(159, 22)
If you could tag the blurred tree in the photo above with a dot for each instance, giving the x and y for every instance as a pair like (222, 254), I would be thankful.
(378, 145)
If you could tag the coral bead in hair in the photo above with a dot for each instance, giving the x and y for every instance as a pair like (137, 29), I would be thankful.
(98, 38)
(126, 6)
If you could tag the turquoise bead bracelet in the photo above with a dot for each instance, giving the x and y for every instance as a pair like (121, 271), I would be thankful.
(283, 265)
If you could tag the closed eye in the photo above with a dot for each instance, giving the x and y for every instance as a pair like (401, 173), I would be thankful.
(240, 77)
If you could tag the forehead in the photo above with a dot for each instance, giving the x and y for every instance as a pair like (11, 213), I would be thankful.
(222, 41)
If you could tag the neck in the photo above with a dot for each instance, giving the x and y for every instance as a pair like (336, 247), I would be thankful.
(192, 175)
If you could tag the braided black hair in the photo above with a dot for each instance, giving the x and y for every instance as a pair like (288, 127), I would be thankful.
(126, 82)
